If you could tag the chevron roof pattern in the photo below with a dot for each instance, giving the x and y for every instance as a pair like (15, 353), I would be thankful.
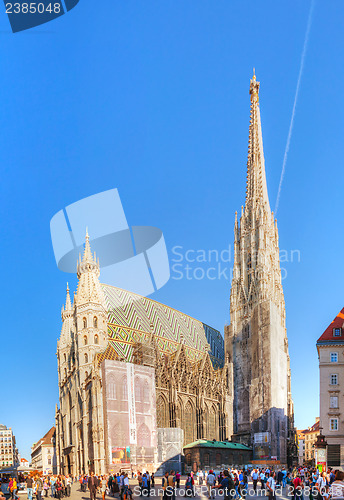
(133, 318)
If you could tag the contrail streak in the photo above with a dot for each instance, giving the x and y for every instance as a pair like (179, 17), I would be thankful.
(303, 56)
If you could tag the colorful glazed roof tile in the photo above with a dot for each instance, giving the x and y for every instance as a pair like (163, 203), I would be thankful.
(133, 318)
(328, 335)
(203, 443)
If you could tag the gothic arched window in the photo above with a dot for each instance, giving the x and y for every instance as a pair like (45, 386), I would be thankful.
(146, 392)
(111, 390)
(125, 389)
(96, 339)
(84, 322)
(86, 375)
(85, 339)
(86, 357)
(162, 413)
(138, 389)
(64, 357)
(95, 322)
(189, 423)
(212, 427)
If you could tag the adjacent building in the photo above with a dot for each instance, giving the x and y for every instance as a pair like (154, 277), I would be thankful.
(310, 438)
(204, 454)
(43, 453)
(330, 348)
(301, 446)
(8, 449)
(256, 339)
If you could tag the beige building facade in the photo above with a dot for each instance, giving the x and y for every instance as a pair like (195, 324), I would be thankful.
(8, 448)
(300, 446)
(256, 339)
(330, 348)
(43, 453)
(310, 436)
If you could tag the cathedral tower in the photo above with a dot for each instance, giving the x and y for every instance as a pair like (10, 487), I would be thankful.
(256, 339)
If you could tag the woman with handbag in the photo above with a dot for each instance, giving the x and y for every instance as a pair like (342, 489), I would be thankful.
(103, 486)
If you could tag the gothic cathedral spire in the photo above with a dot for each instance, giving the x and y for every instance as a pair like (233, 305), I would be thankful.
(256, 339)
(256, 190)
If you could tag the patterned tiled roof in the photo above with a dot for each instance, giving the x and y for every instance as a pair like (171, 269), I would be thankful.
(328, 333)
(133, 318)
(203, 443)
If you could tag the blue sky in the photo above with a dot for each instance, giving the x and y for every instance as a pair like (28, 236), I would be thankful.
(152, 97)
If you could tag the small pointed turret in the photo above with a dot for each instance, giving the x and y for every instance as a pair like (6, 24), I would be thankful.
(67, 309)
(88, 262)
(68, 306)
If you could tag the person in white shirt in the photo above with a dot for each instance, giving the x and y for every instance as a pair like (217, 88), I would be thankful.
(337, 487)
(211, 483)
(271, 486)
(254, 476)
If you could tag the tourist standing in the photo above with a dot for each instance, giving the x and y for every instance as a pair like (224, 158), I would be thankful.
(29, 487)
(93, 486)
(271, 485)
(69, 485)
(337, 487)
(211, 483)
(144, 485)
(38, 487)
(139, 480)
(171, 484)
(254, 476)
(52, 486)
(102, 486)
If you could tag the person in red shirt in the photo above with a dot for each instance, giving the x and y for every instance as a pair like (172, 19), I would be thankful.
(298, 486)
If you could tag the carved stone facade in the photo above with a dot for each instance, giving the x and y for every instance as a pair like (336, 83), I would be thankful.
(256, 339)
(193, 383)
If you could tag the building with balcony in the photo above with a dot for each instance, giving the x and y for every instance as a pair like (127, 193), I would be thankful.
(8, 449)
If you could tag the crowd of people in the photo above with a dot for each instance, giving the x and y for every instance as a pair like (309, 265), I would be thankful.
(237, 484)
(231, 483)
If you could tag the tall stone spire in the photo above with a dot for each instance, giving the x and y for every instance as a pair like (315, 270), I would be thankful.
(256, 339)
(256, 189)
